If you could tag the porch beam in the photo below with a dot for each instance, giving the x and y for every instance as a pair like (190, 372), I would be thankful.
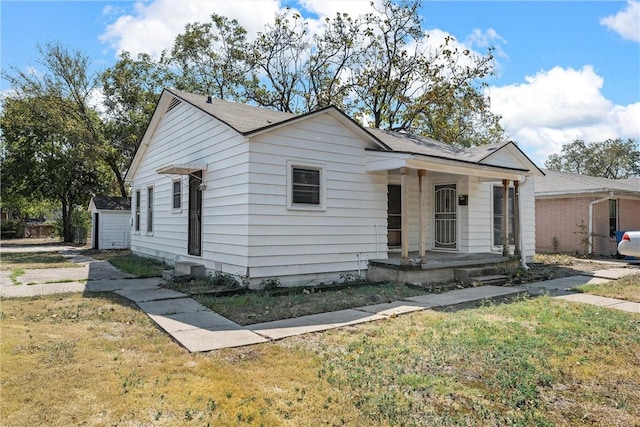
(516, 214)
(505, 217)
(423, 198)
(404, 236)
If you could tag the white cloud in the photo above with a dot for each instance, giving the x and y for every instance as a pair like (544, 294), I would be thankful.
(153, 26)
(557, 106)
(626, 22)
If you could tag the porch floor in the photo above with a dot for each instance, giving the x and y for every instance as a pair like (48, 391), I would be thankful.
(439, 260)
(437, 267)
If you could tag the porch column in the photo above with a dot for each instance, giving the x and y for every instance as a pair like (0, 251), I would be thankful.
(423, 199)
(505, 217)
(516, 218)
(404, 174)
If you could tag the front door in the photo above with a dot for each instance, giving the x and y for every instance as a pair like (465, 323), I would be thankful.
(394, 216)
(446, 227)
(195, 214)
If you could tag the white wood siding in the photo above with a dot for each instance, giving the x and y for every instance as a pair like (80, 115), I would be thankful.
(114, 231)
(288, 243)
(187, 135)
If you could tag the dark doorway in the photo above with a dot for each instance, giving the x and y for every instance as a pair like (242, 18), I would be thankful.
(96, 227)
(394, 216)
(195, 214)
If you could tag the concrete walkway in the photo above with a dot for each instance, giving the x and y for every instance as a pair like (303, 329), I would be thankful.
(199, 329)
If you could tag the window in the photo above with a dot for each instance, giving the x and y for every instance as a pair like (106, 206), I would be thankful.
(306, 187)
(177, 194)
(613, 217)
(137, 219)
(149, 209)
(498, 204)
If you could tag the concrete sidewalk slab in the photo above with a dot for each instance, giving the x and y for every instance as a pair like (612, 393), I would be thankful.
(279, 329)
(612, 273)
(631, 307)
(466, 295)
(199, 340)
(124, 284)
(392, 308)
(562, 285)
(156, 294)
(171, 306)
(199, 320)
(21, 291)
(54, 275)
(604, 302)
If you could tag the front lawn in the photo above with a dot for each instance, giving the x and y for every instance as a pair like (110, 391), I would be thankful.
(256, 307)
(531, 362)
(627, 288)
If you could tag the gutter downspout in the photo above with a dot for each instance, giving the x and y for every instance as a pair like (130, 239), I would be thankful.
(591, 205)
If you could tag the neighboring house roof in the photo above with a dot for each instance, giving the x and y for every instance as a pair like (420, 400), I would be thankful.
(556, 183)
(249, 120)
(104, 203)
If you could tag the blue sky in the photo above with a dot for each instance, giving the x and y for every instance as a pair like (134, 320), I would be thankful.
(566, 69)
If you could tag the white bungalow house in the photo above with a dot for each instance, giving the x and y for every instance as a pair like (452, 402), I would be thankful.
(305, 198)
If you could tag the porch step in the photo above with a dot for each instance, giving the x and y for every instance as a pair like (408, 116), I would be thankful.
(492, 279)
(465, 274)
(192, 269)
(174, 276)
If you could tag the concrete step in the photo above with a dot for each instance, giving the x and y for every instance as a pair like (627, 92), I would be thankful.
(190, 268)
(465, 274)
(174, 276)
(492, 279)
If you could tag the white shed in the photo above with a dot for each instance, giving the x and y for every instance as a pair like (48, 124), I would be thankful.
(110, 222)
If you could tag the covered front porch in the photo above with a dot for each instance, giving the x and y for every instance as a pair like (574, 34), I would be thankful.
(440, 267)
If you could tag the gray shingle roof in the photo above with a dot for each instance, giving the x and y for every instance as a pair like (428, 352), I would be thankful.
(243, 118)
(408, 143)
(556, 183)
(247, 119)
(112, 203)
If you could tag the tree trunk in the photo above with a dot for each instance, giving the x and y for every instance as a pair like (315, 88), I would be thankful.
(119, 178)
(67, 227)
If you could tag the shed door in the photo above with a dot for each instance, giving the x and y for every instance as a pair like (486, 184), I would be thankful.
(96, 228)
(194, 246)
(446, 226)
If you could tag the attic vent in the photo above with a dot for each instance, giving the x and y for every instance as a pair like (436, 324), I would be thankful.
(173, 104)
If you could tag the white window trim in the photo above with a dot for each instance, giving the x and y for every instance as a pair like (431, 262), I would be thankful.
(322, 206)
(173, 209)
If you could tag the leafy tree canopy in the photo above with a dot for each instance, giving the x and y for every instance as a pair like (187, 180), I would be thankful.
(613, 158)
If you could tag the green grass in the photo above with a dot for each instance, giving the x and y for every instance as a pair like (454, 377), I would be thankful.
(256, 307)
(626, 288)
(15, 273)
(138, 266)
(533, 362)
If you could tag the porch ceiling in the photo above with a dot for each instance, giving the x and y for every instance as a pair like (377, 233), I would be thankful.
(394, 161)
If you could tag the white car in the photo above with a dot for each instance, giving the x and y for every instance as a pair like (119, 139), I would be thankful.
(630, 244)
